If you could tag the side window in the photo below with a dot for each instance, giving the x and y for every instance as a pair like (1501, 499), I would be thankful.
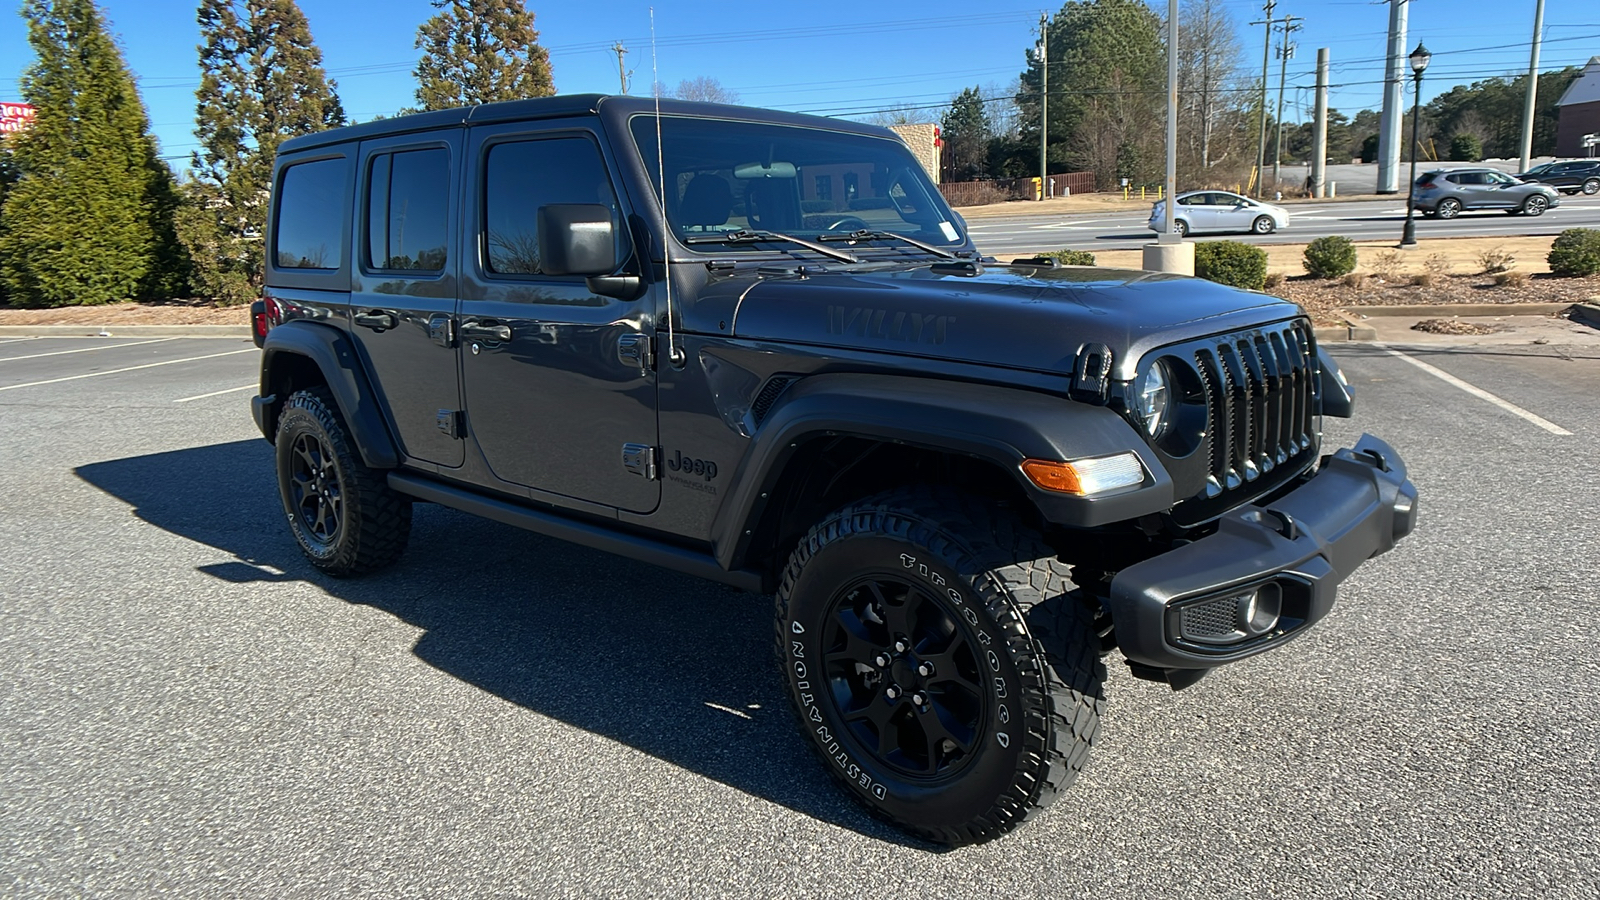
(408, 210)
(309, 232)
(520, 177)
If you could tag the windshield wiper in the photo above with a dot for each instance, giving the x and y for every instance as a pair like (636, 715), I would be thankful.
(746, 236)
(865, 235)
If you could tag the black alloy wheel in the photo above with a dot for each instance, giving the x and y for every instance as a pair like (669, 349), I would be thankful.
(903, 675)
(314, 488)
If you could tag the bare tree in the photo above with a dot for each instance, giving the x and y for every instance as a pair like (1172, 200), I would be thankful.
(704, 89)
(900, 114)
(1208, 72)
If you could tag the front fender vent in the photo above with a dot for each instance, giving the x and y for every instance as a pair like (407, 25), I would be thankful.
(769, 394)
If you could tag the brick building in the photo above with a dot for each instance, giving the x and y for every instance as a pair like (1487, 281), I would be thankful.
(1580, 113)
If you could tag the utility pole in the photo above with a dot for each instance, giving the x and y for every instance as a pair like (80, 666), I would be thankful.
(1319, 141)
(1171, 192)
(1285, 53)
(1533, 88)
(1266, 60)
(1044, 104)
(622, 73)
(1391, 127)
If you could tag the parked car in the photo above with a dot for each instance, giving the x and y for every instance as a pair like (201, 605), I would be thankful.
(1219, 211)
(1447, 192)
(1570, 177)
(759, 348)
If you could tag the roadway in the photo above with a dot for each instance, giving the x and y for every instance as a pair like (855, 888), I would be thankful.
(187, 709)
(1360, 220)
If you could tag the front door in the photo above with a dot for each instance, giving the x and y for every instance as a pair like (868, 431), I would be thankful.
(554, 387)
(403, 289)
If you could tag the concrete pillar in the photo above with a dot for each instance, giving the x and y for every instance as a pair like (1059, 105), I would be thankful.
(1319, 143)
(1391, 127)
(1176, 257)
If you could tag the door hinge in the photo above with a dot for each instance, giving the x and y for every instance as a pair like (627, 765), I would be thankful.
(452, 422)
(640, 459)
(442, 330)
(637, 350)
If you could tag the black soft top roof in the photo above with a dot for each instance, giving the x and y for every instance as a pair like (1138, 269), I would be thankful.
(617, 108)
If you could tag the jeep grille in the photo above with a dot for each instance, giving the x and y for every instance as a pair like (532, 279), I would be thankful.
(1260, 393)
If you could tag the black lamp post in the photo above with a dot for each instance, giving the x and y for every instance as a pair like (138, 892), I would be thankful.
(1419, 61)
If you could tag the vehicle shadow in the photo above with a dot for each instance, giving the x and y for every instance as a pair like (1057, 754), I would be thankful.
(673, 666)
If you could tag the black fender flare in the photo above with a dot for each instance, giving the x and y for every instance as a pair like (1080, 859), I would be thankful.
(1004, 425)
(330, 350)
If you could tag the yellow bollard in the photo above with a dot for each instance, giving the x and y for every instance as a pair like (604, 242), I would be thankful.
(1161, 192)
(1141, 192)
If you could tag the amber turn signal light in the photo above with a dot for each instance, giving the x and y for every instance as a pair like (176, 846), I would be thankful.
(1052, 476)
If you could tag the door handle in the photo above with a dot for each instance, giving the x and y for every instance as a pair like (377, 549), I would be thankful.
(376, 319)
(486, 331)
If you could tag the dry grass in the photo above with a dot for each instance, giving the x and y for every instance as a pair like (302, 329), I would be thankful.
(177, 313)
(1511, 279)
(1452, 326)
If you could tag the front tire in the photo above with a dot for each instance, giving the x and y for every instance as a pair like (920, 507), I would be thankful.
(1534, 206)
(1592, 186)
(345, 517)
(939, 659)
(1263, 225)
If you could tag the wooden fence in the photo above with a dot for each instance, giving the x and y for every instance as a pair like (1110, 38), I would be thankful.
(980, 193)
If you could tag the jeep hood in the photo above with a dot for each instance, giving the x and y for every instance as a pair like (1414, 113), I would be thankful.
(1015, 317)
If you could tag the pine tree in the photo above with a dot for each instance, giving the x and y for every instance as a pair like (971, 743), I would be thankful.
(966, 132)
(261, 83)
(90, 218)
(480, 51)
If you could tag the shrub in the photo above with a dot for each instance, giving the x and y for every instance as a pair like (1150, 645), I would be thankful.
(1274, 281)
(1511, 279)
(1071, 257)
(1422, 279)
(1438, 265)
(1386, 265)
(1575, 253)
(1330, 257)
(1231, 262)
(1466, 148)
(1495, 260)
(1357, 280)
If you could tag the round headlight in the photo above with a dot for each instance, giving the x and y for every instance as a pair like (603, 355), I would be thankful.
(1153, 397)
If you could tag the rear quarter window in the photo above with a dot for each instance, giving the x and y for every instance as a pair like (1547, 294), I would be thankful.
(309, 232)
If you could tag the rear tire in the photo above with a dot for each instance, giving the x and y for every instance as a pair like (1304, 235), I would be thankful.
(1534, 206)
(1001, 719)
(1448, 208)
(1181, 227)
(345, 517)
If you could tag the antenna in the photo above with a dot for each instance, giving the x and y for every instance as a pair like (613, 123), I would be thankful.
(674, 354)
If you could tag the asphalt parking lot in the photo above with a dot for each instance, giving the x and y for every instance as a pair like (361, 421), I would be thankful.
(187, 709)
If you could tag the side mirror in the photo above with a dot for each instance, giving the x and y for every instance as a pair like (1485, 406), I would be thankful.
(576, 239)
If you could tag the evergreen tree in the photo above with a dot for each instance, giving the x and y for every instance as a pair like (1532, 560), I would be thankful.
(966, 132)
(89, 219)
(1107, 87)
(480, 51)
(261, 83)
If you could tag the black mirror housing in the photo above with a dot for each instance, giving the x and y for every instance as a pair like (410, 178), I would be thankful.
(577, 239)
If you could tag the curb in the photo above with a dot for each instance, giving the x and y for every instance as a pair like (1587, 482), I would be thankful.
(1458, 309)
(1334, 333)
(222, 331)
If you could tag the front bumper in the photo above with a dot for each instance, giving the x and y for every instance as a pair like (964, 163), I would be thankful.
(1268, 572)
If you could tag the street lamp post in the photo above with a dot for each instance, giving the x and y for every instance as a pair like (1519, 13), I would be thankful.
(1419, 61)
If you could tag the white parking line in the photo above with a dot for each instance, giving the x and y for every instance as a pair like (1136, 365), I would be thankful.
(248, 387)
(87, 349)
(170, 362)
(1482, 394)
(18, 340)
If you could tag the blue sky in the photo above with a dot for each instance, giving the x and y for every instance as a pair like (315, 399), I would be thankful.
(836, 59)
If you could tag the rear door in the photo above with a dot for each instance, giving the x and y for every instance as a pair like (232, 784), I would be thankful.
(403, 297)
(557, 392)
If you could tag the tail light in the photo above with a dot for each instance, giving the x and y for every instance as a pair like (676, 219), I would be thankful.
(1425, 185)
(263, 315)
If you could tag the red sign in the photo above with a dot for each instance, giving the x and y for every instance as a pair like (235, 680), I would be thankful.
(14, 117)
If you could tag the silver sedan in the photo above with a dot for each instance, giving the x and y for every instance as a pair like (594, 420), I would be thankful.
(1219, 211)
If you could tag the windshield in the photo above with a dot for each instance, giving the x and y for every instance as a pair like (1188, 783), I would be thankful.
(731, 178)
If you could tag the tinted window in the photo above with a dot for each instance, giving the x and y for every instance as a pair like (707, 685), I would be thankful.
(310, 228)
(525, 175)
(408, 209)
